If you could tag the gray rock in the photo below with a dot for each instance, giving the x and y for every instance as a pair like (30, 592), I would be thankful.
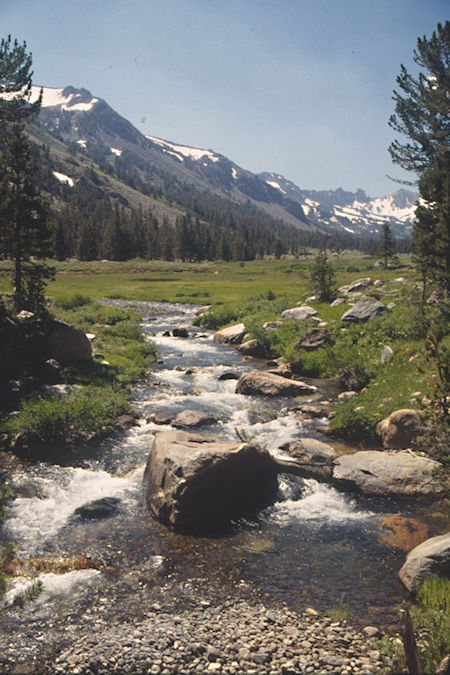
(365, 309)
(299, 313)
(310, 449)
(358, 285)
(66, 344)
(180, 331)
(338, 301)
(229, 375)
(251, 348)
(314, 339)
(268, 384)
(402, 428)
(100, 508)
(430, 557)
(192, 480)
(192, 419)
(397, 473)
(161, 417)
(232, 335)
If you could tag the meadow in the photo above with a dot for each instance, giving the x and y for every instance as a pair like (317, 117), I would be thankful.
(255, 292)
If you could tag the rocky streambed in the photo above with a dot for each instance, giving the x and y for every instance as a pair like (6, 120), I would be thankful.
(268, 594)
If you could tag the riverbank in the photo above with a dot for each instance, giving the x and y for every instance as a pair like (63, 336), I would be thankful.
(233, 636)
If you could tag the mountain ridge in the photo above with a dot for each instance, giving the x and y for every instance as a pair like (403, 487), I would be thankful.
(88, 123)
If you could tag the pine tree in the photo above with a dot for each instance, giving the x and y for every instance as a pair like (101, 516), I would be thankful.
(24, 233)
(422, 114)
(387, 246)
(322, 277)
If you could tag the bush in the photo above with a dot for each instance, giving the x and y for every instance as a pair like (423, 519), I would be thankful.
(63, 420)
(216, 318)
(72, 301)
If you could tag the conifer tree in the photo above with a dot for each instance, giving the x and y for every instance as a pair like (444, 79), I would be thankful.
(387, 245)
(422, 114)
(24, 234)
(322, 277)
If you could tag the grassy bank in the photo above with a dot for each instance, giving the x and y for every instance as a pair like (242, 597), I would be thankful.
(98, 392)
(255, 292)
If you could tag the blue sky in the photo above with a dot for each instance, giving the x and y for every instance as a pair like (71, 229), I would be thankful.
(299, 87)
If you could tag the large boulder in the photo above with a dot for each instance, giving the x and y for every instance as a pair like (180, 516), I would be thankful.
(430, 557)
(398, 473)
(299, 313)
(192, 481)
(402, 428)
(263, 383)
(232, 335)
(364, 309)
(66, 344)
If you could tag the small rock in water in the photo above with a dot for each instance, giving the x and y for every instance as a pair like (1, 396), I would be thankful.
(100, 508)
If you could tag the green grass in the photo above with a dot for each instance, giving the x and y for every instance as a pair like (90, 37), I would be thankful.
(255, 292)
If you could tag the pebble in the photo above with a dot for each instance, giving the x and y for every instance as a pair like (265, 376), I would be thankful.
(237, 636)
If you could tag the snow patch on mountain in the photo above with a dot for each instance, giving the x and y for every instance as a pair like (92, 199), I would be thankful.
(116, 151)
(183, 151)
(70, 99)
(63, 178)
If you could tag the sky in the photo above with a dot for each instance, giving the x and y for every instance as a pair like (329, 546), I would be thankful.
(302, 88)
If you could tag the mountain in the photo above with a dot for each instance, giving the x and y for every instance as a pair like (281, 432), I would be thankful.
(91, 126)
(140, 171)
(353, 212)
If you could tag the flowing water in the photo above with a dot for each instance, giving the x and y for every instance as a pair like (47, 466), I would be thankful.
(313, 547)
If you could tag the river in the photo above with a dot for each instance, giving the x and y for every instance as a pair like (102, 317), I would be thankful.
(314, 547)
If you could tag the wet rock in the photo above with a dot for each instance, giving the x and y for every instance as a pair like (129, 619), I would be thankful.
(402, 428)
(299, 313)
(161, 417)
(126, 421)
(401, 532)
(365, 309)
(193, 481)
(398, 473)
(310, 450)
(100, 508)
(192, 419)
(316, 338)
(65, 343)
(230, 375)
(430, 557)
(180, 332)
(232, 335)
(262, 383)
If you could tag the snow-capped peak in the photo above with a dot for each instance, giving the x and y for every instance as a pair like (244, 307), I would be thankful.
(69, 98)
(184, 151)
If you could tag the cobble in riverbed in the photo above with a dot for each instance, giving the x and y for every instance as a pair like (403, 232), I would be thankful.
(231, 638)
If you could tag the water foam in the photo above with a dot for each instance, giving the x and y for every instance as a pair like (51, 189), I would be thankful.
(33, 521)
(320, 503)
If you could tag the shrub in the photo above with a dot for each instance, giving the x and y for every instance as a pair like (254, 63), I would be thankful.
(63, 420)
(72, 301)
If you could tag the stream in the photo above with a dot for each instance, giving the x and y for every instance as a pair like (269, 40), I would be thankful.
(315, 547)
